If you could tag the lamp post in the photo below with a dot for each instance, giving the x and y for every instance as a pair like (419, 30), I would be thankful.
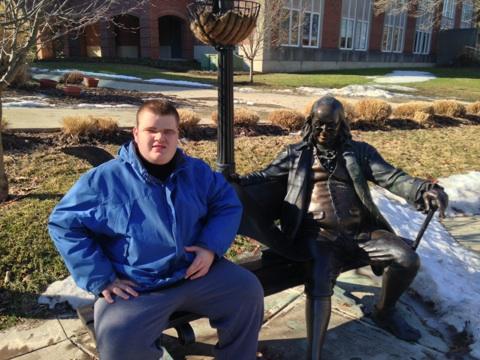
(223, 24)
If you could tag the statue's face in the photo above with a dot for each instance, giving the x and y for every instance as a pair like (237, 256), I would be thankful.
(326, 125)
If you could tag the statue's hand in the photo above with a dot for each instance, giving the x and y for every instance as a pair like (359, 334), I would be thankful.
(435, 198)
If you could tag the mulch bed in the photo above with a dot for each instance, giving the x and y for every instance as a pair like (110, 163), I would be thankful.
(14, 141)
(105, 96)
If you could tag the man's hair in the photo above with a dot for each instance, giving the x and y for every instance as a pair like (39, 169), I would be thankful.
(160, 108)
(335, 106)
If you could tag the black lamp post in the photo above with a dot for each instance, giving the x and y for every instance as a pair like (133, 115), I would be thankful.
(223, 24)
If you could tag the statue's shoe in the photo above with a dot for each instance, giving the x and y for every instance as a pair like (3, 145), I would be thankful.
(393, 322)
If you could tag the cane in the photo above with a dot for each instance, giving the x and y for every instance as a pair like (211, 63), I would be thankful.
(424, 227)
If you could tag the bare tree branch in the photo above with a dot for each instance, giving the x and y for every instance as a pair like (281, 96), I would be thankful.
(27, 23)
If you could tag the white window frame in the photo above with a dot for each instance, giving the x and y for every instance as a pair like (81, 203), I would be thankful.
(448, 15)
(352, 24)
(466, 21)
(423, 31)
(310, 13)
(289, 6)
(395, 23)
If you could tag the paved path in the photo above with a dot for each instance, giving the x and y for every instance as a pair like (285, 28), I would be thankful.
(466, 230)
(351, 334)
(202, 101)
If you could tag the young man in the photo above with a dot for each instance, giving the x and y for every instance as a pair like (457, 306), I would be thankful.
(148, 231)
(328, 217)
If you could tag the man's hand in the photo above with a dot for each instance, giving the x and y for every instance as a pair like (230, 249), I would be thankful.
(435, 198)
(201, 264)
(119, 287)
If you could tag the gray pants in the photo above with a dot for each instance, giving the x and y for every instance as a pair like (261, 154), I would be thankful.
(230, 296)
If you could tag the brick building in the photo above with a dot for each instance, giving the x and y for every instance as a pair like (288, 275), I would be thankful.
(314, 35)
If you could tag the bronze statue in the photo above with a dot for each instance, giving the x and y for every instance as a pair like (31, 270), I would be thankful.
(318, 190)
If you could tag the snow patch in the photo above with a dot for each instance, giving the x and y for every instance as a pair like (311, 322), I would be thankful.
(103, 106)
(27, 104)
(351, 91)
(450, 273)
(463, 193)
(65, 290)
(403, 76)
(178, 83)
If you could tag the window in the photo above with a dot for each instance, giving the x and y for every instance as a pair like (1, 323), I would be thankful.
(423, 30)
(448, 15)
(394, 27)
(290, 28)
(311, 22)
(301, 23)
(467, 14)
(355, 24)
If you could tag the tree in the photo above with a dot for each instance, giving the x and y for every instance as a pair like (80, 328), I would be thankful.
(24, 24)
(421, 7)
(267, 31)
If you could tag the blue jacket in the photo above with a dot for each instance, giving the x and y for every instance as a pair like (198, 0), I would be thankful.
(119, 221)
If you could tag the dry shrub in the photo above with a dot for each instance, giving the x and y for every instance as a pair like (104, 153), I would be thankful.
(372, 110)
(73, 77)
(409, 109)
(188, 121)
(241, 117)
(287, 119)
(88, 126)
(448, 108)
(473, 108)
(348, 108)
(3, 124)
(421, 116)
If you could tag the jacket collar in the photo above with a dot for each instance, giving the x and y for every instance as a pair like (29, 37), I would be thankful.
(128, 153)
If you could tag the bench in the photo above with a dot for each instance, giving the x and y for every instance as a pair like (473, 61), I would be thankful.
(274, 273)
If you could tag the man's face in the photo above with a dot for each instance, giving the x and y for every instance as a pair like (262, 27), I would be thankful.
(326, 125)
(156, 137)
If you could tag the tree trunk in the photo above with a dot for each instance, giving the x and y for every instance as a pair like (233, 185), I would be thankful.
(3, 175)
(251, 71)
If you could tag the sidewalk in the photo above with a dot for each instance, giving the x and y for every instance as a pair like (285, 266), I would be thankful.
(201, 100)
(351, 334)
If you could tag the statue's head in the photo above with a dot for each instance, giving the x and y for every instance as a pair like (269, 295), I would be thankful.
(326, 124)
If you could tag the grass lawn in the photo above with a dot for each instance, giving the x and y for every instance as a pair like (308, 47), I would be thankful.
(30, 259)
(459, 83)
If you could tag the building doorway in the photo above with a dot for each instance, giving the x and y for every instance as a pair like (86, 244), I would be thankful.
(127, 36)
(170, 34)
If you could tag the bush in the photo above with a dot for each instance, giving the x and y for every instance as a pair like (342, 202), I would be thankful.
(3, 124)
(89, 126)
(474, 108)
(448, 108)
(372, 110)
(287, 119)
(241, 117)
(409, 109)
(348, 108)
(421, 116)
(188, 121)
(73, 77)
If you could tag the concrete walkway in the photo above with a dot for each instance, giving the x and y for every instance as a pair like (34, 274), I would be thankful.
(466, 230)
(352, 335)
(202, 101)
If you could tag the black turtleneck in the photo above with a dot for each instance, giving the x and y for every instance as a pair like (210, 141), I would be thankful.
(161, 172)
